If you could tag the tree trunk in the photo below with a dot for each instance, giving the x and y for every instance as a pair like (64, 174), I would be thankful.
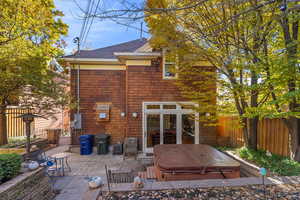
(250, 126)
(253, 125)
(245, 132)
(3, 127)
(294, 144)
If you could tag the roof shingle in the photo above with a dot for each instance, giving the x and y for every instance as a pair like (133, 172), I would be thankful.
(108, 52)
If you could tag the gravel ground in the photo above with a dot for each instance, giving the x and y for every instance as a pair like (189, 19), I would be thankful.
(254, 192)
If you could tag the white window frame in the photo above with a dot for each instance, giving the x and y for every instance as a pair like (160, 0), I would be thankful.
(164, 67)
(178, 111)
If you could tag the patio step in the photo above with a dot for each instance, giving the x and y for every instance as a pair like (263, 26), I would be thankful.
(142, 175)
(151, 172)
(148, 174)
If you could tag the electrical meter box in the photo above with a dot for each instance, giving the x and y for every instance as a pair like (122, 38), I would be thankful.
(77, 123)
(102, 111)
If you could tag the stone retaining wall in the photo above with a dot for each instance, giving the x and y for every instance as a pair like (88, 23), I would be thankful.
(28, 186)
(247, 169)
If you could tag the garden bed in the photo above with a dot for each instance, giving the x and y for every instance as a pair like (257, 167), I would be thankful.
(251, 161)
(254, 192)
(19, 147)
(21, 144)
(240, 188)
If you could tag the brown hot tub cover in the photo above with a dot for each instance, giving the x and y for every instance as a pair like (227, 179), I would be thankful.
(189, 157)
(192, 162)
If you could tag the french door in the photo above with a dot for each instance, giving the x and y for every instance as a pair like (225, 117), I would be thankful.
(169, 123)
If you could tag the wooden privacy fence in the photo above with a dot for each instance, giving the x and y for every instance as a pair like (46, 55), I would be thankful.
(273, 135)
(15, 125)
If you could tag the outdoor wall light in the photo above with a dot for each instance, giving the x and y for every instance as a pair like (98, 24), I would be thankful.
(207, 114)
(134, 115)
(122, 114)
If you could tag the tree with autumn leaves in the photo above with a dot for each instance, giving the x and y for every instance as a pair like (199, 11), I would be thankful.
(254, 46)
(30, 32)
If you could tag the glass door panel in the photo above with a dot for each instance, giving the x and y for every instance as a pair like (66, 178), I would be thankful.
(153, 130)
(188, 129)
(169, 128)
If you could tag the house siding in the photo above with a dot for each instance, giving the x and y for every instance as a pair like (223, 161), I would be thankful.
(126, 90)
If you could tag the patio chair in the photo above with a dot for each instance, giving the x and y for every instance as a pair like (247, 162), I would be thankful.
(44, 160)
(130, 147)
(118, 176)
(41, 156)
(49, 164)
(50, 168)
(53, 165)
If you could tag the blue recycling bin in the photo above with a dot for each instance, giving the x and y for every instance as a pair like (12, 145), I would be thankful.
(86, 144)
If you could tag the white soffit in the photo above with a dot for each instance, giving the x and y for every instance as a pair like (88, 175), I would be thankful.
(137, 55)
(92, 60)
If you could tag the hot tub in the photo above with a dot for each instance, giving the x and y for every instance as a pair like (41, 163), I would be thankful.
(192, 162)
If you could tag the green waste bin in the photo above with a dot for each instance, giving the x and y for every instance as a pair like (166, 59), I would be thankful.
(101, 148)
(102, 143)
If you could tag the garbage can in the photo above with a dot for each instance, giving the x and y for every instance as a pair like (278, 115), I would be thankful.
(102, 143)
(86, 144)
(118, 149)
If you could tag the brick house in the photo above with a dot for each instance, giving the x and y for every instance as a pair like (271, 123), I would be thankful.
(127, 90)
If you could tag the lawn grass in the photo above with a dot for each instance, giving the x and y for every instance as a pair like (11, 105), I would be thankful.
(280, 165)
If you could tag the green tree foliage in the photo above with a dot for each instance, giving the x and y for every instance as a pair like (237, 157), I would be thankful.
(254, 46)
(30, 32)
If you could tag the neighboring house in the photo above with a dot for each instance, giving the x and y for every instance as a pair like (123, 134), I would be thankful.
(59, 120)
(127, 90)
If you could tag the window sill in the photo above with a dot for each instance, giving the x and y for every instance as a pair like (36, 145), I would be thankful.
(169, 78)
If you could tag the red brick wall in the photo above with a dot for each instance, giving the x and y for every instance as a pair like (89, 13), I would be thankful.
(144, 84)
(101, 86)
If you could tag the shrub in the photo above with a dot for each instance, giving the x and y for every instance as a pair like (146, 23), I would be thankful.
(275, 163)
(10, 165)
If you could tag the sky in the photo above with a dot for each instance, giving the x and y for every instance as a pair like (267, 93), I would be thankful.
(102, 33)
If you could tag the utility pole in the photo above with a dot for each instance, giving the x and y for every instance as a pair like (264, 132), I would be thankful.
(141, 31)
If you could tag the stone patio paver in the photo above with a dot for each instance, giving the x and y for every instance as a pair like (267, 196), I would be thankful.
(74, 186)
(59, 149)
